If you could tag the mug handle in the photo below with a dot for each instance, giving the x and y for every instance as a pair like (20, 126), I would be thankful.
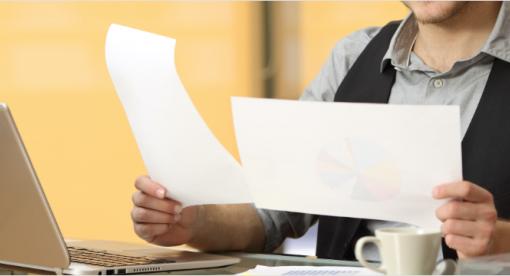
(358, 252)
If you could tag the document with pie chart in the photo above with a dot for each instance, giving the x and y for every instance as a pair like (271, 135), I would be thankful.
(348, 159)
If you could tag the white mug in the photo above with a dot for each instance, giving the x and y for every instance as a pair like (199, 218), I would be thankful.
(402, 250)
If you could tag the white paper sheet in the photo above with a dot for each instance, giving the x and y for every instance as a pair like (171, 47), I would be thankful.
(178, 149)
(343, 159)
(308, 270)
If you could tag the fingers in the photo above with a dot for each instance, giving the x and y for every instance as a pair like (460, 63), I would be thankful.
(142, 215)
(457, 210)
(463, 190)
(469, 218)
(478, 230)
(146, 185)
(462, 210)
(149, 231)
(467, 246)
(144, 200)
(459, 227)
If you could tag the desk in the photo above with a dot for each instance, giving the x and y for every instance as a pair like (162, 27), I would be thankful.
(248, 261)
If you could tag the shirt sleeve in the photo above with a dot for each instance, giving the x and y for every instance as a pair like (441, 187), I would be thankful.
(279, 225)
(341, 59)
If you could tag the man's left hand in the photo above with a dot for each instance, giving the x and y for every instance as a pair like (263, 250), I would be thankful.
(469, 218)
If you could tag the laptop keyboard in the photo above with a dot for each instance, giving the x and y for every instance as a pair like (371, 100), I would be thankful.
(106, 259)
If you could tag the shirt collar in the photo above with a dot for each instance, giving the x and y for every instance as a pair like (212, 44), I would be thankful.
(400, 48)
(498, 43)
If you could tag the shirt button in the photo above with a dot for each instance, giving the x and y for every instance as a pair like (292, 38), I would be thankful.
(438, 83)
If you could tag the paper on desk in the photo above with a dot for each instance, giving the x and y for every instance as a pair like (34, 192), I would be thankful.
(345, 159)
(176, 145)
(308, 270)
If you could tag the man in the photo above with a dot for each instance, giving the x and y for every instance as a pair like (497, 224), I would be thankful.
(454, 53)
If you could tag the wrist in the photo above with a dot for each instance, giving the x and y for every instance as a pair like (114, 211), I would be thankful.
(198, 224)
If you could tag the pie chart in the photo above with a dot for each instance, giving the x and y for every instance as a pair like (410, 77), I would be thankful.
(362, 165)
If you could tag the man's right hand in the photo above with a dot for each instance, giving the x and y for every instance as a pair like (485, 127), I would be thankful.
(160, 220)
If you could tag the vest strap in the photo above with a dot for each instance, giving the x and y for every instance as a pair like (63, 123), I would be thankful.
(337, 236)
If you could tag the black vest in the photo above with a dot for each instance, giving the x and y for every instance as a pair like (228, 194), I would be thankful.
(485, 147)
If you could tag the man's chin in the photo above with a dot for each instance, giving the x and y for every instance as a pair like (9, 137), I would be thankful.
(435, 12)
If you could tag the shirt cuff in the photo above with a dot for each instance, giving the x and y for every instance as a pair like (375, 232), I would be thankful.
(274, 237)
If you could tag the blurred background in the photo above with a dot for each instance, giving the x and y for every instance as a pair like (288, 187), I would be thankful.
(53, 76)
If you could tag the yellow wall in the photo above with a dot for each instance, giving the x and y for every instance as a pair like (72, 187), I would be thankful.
(53, 75)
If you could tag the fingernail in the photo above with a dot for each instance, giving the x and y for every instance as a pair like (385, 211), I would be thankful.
(435, 191)
(178, 209)
(177, 218)
(160, 193)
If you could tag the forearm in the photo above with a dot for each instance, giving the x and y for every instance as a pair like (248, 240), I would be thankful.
(501, 242)
(228, 228)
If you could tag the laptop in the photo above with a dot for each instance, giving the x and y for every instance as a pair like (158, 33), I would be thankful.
(30, 236)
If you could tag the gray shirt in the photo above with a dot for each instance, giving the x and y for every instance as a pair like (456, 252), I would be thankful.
(415, 83)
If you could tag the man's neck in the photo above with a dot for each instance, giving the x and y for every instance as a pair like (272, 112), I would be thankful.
(460, 37)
